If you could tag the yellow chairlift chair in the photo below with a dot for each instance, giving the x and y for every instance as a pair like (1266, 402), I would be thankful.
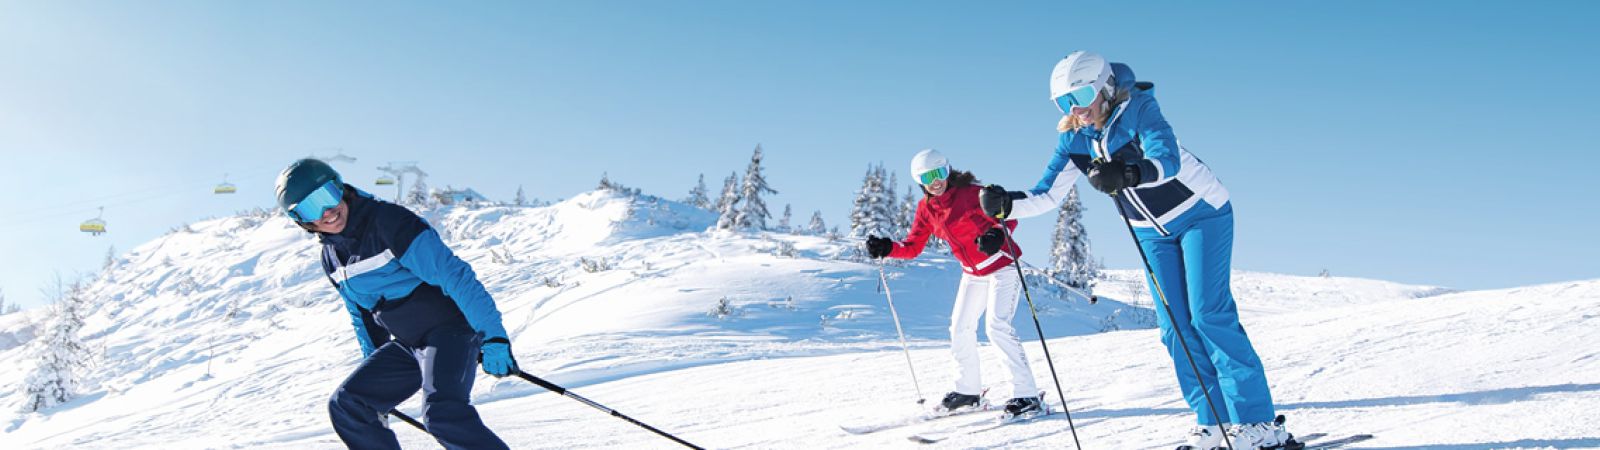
(95, 226)
(225, 187)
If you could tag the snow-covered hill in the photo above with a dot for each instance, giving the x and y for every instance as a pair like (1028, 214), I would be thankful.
(225, 335)
(225, 331)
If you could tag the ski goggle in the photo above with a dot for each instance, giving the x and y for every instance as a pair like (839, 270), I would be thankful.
(931, 176)
(1077, 98)
(317, 202)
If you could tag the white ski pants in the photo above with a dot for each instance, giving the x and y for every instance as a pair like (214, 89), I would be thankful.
(997, 293)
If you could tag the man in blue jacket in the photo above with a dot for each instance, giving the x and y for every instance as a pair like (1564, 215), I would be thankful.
(420, 314)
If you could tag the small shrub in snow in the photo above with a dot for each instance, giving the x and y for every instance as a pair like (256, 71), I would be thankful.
(1140, 319)
(500, 257)
(594, 265)
(784, 249)
(723, 309)
(552, 282)
(1137, 287)
(787, 303)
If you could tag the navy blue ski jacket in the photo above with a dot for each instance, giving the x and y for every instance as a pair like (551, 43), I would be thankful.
(399, 279)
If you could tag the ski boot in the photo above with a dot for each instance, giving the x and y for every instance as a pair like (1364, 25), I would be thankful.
(956, 402)
(1203, 437)
(1263, 436)
(1023, 407)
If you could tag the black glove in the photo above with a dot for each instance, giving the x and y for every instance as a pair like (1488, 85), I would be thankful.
(995, 201)
(990, 242)
(1112, 176)
(878, 247)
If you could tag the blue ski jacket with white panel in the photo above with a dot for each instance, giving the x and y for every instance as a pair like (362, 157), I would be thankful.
(1176, 188)
(398, 278)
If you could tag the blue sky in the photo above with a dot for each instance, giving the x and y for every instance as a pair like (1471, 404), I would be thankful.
(1420, 142)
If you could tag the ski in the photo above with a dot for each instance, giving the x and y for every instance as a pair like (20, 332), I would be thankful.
(1337, 443)
(979, 426)
(868, 428)
(1296, 442)
(1310, 437)
(926, 416)
(929, 437)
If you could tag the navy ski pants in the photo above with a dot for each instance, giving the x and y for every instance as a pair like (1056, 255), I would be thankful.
(443, 367)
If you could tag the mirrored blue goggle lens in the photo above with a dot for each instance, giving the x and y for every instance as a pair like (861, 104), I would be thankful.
(1076, 98)
(931, 176)
(318, 202)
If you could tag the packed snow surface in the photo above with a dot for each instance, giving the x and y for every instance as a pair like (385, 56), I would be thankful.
(226, 335)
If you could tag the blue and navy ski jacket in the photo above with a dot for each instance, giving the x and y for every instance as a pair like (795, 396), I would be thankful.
(398, 278)
(1176, 188)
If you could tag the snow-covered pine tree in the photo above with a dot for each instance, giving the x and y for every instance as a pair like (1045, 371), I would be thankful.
(522, 199)
(870, 214)
(754, 215)
(1071, 261)
(727, 204)
(698, 197)
(908, 210)
(894, 203)
(783, 224)
(816, 227)
(4, 308)
(59, 353)
(418, 197)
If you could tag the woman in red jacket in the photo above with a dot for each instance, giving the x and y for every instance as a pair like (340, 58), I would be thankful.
(950, 210)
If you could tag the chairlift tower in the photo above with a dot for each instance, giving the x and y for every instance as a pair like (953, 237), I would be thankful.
(398, 170)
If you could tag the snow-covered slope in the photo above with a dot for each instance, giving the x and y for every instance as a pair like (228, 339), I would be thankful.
(226, 332)
(225, 335)
(1497, 369)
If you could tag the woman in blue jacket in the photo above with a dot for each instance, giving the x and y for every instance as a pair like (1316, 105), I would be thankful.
(1112, 131)
(399, 281)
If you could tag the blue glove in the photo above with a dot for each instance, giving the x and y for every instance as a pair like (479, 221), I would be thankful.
(497, 358)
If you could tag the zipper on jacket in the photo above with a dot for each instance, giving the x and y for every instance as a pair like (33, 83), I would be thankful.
(1105, 153)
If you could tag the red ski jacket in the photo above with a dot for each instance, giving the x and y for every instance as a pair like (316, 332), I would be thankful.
(956, 217)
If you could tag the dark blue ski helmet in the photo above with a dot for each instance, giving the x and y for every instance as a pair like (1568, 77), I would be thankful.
(300, 180)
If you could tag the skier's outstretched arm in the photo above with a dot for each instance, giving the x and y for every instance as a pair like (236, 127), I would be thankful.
(1051, 190)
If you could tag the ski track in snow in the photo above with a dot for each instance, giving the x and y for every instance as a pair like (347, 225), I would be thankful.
(808, 346)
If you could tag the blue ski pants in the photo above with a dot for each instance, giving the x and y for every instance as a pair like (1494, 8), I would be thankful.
(442, 366)
(1192, 267)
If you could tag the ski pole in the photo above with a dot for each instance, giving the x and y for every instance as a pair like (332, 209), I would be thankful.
(552, 387)
(1036, 327)
(897, 330)
(1171, 319)
(407, 419)
(1092, 298)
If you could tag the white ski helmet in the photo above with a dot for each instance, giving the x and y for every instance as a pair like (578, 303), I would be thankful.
(928, 160)
(1078, 69)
